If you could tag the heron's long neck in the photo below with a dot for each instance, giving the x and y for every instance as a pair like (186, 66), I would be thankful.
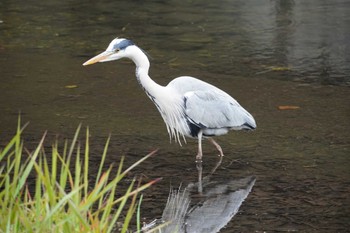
(142, 67)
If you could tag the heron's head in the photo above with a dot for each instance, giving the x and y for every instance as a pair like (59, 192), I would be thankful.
(117, 49)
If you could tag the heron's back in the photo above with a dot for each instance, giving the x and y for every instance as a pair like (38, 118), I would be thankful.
(209, 108)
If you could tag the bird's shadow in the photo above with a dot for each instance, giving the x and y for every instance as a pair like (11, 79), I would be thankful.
(205, 206)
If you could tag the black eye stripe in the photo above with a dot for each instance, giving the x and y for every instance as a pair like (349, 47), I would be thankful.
(122, 45)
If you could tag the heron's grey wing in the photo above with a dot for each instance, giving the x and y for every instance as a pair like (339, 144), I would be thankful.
(215, 109)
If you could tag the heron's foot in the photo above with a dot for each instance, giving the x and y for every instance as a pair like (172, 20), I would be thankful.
(217, 165)
(221, 153)
(217, 146)
(199, 156)
(199, 159)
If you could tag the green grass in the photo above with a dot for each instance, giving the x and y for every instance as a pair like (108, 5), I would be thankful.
(63, 198)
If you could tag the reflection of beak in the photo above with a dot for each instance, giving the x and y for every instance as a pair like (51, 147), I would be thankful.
(98, 58)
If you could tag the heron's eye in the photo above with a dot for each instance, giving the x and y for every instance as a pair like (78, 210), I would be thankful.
(116, 50)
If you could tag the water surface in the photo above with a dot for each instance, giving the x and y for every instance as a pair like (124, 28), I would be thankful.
(264, 53)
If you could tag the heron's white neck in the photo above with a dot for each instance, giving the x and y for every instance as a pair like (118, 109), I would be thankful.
(142, 68)
(139, 58)
(164, 98)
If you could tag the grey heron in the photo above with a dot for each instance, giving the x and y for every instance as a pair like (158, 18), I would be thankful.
(189, 107)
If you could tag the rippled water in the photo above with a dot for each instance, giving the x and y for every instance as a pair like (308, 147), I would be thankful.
(264, 53)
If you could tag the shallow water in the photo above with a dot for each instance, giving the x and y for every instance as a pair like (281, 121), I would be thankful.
(265, 54)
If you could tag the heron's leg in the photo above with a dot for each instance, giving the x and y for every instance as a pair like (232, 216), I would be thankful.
(218, 147)
(217, 165)
(200, 174)
(200, 153)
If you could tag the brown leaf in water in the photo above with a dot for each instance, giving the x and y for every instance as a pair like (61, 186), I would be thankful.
(288, 107)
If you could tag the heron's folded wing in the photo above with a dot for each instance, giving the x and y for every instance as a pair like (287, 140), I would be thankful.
(213, 109)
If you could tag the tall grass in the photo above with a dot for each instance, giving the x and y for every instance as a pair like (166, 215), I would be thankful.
(63, 198)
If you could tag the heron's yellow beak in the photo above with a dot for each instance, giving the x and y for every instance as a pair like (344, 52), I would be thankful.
(102, 56)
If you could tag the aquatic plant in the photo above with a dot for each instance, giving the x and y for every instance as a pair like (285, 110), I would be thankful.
(62, 197)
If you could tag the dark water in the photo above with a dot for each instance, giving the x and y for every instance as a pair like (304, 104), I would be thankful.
(264, 53)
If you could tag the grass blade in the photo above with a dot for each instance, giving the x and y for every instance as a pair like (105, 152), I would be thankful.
(52, 205)
(29, 167)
